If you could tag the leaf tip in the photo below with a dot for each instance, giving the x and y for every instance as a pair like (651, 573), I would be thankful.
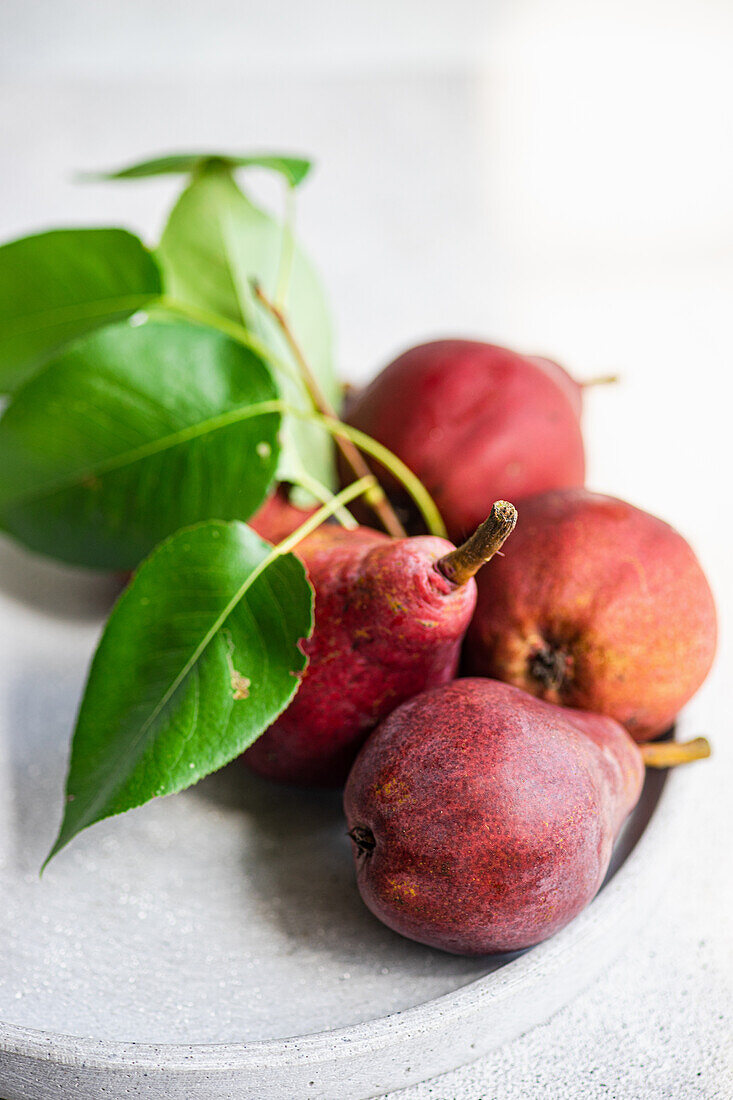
(57, 846)
(64, 835)
(300, 168)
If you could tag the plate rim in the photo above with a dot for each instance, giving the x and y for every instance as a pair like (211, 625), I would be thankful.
(343, 1043)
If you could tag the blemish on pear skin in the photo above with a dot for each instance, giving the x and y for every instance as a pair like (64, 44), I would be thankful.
(393, 791)
(240, 686)
(401, 890)
(519, 876)
(363, 660)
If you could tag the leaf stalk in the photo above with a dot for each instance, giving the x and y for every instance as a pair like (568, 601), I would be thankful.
(377, 498)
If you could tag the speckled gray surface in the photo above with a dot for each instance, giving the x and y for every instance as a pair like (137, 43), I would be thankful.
(183, 921)
(657, 1026)
(189, 919)
(119, 942)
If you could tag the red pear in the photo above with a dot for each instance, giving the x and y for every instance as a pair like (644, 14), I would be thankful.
(474, 422)
(573, 389)
(600, 606)
(390, 615)
(277, 518)
(482, 819)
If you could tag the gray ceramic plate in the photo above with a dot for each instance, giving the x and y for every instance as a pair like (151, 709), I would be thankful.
(213, 944)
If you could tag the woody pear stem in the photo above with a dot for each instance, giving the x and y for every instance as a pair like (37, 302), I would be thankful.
(376, 498)
(668, 754)
(462, 564)
(600, 380)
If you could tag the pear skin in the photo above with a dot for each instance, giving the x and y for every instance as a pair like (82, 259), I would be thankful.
(475, 422)
(599, 606)
(390, 616)
(277, 518)
(483, 819)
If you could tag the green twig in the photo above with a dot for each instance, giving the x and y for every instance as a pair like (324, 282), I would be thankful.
(313, 486)
(377, 499)
(337, 428)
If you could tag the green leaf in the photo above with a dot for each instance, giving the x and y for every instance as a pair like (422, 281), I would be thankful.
(182, 682)
(215, 243)
(57, 285)
(294, 169)
(133, 433)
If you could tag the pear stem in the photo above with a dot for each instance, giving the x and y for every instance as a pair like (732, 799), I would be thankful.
(376, 498)
(600, 380)
(668, 754)
(460, 565)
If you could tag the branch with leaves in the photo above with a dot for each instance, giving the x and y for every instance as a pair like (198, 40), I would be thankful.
(156, 398)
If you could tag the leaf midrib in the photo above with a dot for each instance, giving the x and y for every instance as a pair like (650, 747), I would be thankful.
(275, 552)
(132, 748)
(279, 551)
(155, 446)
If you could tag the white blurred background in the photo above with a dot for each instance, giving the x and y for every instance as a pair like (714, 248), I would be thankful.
(556, 176)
